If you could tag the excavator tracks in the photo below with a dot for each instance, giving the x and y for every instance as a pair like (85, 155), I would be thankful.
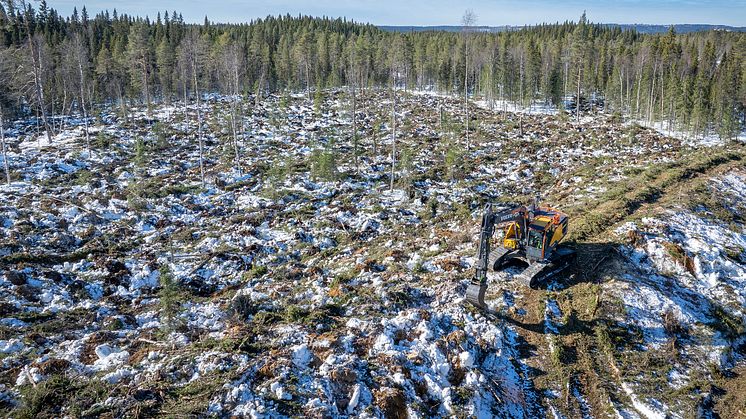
(533, 276)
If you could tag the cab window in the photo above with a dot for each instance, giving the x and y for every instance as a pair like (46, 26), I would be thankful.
(535, 239)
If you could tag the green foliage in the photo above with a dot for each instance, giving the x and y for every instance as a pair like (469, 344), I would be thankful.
(285, 100)
(277, 173)
(256, 271)
(160, 130)
(453, 160)
(47, 398)
(170, 297)
(135, 196)
(324, 164)
(632, 132)
(406, 167)
(726, 323)
(83, 177)
(136, 60)
(140, 156)
(463, 212)
(102, 141)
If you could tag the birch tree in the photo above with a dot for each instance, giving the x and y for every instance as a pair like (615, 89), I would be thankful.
(33, 43)
(579, 47)
(232, 65)
(467, 22)
(5, 152)
(77, 53)
(395, 62)
(192, 57)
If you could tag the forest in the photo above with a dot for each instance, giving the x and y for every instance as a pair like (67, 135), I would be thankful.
(53, 65)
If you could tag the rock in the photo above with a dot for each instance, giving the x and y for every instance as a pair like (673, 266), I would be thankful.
(54, 276)
(467, 359)
(301, 356)
(102, 351)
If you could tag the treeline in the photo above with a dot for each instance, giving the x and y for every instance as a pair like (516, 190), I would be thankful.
(56, 65)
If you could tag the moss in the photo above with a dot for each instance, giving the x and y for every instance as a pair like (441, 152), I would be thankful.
(83, 177)
(65, 320)
(727, 324)
(47, 399)
(620, 202)
(193, 398)
(265, 318)
(102, 141)
(256, 271)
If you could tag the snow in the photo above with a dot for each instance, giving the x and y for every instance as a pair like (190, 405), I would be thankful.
(648, 411)
(11, 346)
(280, 391)
(378, 282)
(301, 356)
(109, 357)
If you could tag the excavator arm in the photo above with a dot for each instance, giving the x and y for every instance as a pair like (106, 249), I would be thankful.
(478, 286)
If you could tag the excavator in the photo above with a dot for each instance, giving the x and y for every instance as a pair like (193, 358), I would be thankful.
(532, 236)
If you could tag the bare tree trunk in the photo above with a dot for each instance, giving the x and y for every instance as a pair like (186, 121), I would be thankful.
(466, 91)
(82, 106)
(259, 89)
(393, 133)
(662, 105)
(639, 88)
(651, 102)
(564, 89)
(63, 112)
(199, 126)
(354, 127)
(147, 87)
(628, 101)
(186, 104)
(621, 93)
(235, 134)
(5, 152)
(308, 81)
(520, 74)
(122, 105)
(36, 63)
(577, 99)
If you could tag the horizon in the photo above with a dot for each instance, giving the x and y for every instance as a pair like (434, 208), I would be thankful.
(438, 13)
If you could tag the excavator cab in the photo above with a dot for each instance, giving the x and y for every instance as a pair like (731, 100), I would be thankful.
(535, 245)
(532, 236)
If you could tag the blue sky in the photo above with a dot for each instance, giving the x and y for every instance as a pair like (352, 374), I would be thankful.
(437, 12)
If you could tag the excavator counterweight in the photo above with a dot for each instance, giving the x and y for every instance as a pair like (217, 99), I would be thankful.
(531, 234)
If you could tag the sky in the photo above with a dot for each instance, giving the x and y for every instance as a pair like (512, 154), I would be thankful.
(435, 12)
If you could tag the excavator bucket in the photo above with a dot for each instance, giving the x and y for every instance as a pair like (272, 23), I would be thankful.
(475, 294)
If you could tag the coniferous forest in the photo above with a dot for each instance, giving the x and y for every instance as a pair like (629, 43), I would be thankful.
(53, 64)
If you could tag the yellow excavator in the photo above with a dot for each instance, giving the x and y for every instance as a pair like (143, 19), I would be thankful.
(532, 236)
